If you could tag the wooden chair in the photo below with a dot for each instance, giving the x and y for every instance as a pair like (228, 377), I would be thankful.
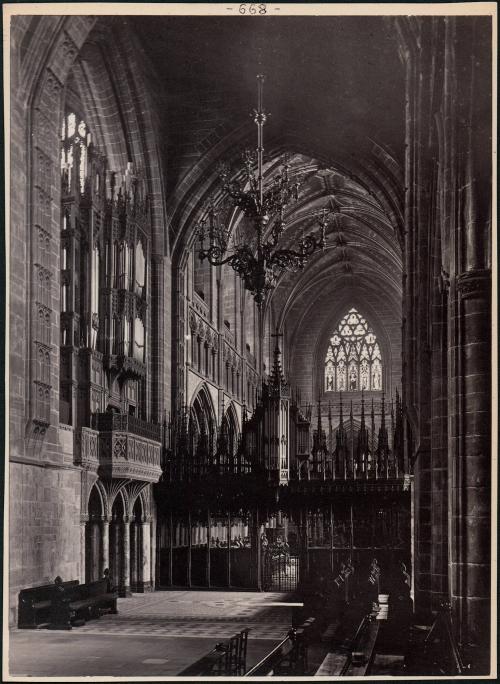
(242, 651)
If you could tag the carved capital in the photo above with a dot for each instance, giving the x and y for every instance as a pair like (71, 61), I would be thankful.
(193, 323)
(69, 49)
(443, 281)
(473, 284)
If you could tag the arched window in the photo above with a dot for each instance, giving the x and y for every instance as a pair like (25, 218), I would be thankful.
(353, 361)
(74, 134)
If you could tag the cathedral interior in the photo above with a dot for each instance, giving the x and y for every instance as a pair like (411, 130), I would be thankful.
(250, 333)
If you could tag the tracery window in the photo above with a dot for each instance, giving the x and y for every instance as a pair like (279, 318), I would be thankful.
(353, 360)
(74, 136)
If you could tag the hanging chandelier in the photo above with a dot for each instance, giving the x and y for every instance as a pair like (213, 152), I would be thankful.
(257, 258)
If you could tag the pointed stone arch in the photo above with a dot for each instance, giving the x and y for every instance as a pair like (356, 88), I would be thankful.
(202, 419)
(202, 404)
(101, 490)
(88, 480)
(232, 417)
(115, 488)
(147, 503)
(134, 493)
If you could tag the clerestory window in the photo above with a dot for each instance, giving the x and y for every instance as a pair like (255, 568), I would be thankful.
(353, 360)
(74, 151)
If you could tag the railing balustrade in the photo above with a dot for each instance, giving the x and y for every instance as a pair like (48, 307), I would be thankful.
(334, 468)
(109, 422)
(178, 469)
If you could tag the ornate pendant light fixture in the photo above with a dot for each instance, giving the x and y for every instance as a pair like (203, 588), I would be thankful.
(258, 259)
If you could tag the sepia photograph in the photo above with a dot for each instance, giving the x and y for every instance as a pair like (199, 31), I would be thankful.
(251, 341)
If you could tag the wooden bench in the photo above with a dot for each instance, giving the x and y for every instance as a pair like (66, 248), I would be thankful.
(82, 602)
(236, 654)
(352, 644)
(289, 657)
(225, 659)
(363, 649)
(266, 666)
(332, 665)
(295, 662)
(208, 664)
(35, 604)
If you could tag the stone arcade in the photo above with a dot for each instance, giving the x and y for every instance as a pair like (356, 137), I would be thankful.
(169, 428)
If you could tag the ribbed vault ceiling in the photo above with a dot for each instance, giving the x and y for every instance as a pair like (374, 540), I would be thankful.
(335, 90)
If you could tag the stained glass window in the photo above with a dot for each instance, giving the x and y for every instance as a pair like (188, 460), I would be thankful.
(73, 135)
(353, 360)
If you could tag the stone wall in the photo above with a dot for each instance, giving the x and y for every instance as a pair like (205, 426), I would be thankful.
(308, 349)
(45, 485)
(44, 520)
(447, 308)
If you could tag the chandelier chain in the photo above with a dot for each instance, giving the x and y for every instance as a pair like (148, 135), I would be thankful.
(258, 260)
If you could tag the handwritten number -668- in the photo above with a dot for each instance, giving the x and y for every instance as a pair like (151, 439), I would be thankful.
(252, 8)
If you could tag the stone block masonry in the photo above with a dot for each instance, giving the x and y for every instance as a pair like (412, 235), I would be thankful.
(44, 511)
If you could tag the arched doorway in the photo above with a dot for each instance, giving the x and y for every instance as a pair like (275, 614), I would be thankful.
(94, 537)
(136, 545)
(116, 546)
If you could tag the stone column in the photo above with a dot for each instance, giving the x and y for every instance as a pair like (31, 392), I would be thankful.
(153, 530)
(439, 449)
(470, 466)
(116, 570)
(145, 557)
(93, 550)
(189, 558)
(104, 545)
(209, 537)
(125, 578)
(134, 553)
(83, 523)
(256, 544)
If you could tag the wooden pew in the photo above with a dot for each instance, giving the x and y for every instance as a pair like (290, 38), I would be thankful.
(332, 665)
(35, 604)
(236, 654)
(336, 662)
(81, 603)
(228, 659)
(289, 657)
(364, 643)
(351, 653)
(209, 664)
(364, 648)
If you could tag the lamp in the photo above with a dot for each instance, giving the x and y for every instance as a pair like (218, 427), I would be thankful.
(258, 259)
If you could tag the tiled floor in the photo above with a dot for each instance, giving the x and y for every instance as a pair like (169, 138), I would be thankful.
(153, 635)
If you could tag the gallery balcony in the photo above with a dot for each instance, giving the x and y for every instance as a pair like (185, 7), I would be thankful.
(121, 446)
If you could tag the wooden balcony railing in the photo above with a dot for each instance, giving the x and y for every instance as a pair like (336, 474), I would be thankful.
(107, 422)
